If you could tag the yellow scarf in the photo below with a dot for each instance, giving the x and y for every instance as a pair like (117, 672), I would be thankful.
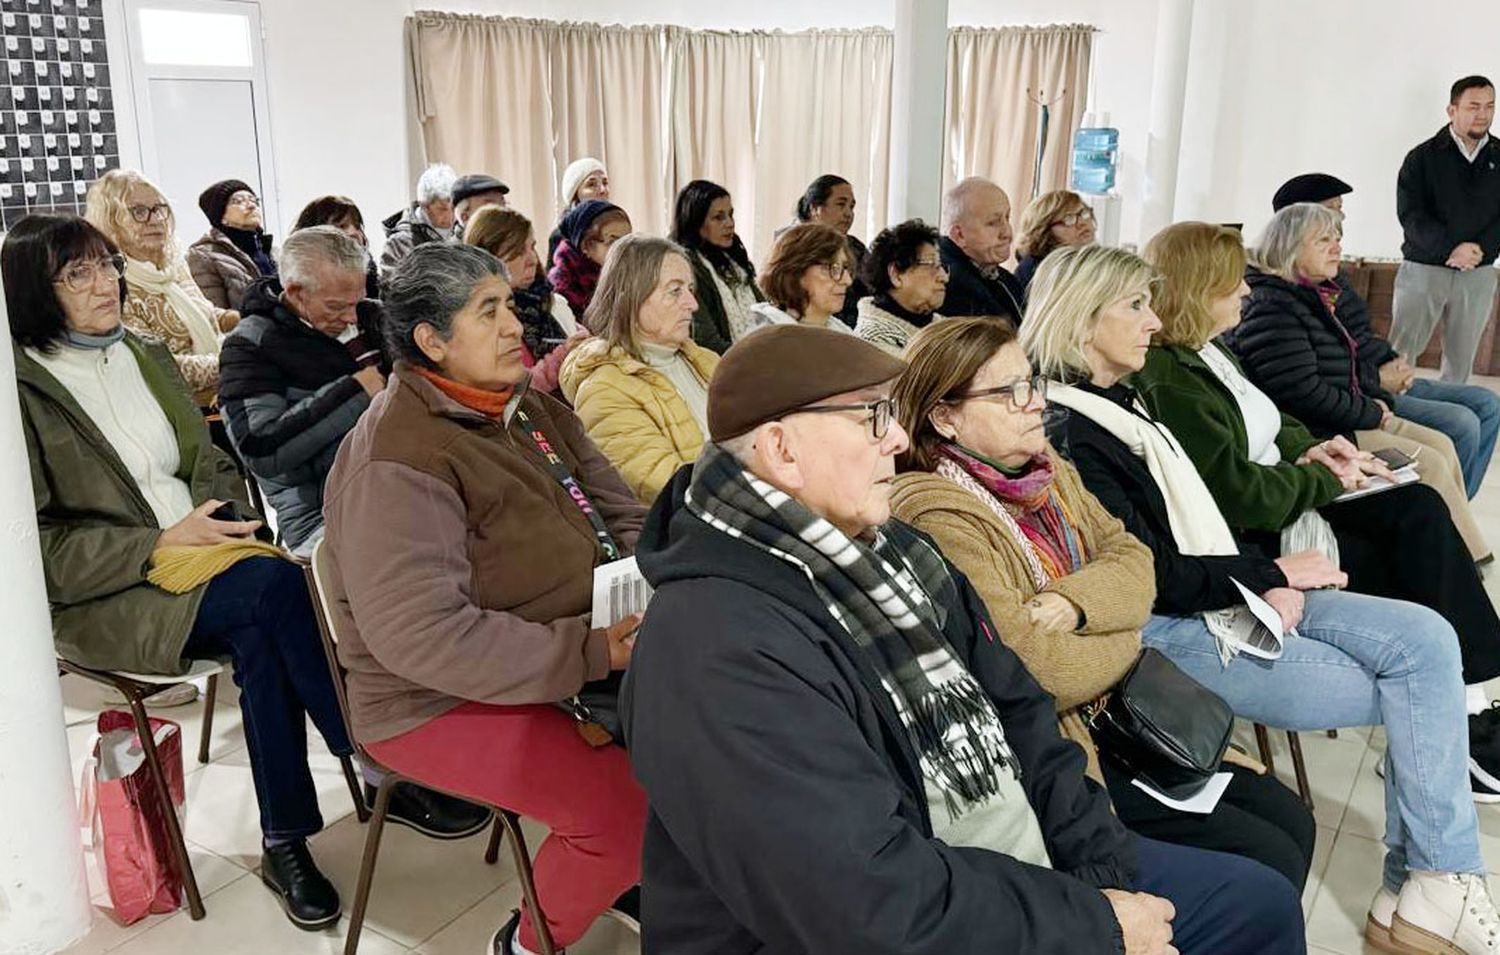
(178, 570)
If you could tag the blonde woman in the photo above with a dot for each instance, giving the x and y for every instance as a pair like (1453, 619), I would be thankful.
(162, 300)
(1054, 220)
(641, 386)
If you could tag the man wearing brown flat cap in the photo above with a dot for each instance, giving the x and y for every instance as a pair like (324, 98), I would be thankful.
(838, 753)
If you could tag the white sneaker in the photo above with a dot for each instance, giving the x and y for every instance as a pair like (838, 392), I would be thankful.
(1445, 913)
(1378, 921)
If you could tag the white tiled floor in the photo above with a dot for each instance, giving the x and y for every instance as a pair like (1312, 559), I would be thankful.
(439, 898)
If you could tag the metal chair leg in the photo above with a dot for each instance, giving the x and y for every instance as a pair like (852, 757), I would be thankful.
(1304, 788)
(1263, 743)
(1333, 734)
(367, 866)
(492, 851)
(210, 694)
(169, 812)
(512, 823)
(361, 811)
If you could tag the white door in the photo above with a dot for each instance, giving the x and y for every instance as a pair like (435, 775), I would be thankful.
(198, 82)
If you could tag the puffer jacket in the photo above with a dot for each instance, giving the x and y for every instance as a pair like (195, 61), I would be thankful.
(1303, 357)
(404, 231)
(222, 270)
(633, 413)
(97, 530)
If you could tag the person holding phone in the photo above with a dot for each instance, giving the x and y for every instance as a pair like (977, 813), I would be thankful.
(122, 468)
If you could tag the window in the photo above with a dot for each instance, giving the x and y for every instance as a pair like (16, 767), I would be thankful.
(186, 38)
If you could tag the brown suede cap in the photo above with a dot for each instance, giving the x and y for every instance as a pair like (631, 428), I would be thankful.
(774, 371)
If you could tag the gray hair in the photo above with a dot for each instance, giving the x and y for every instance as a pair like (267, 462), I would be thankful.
(1276, 251)
(436, 182)
(629, 277)
(305, 250)
(431, 285)
(956, 200)
(741, 447)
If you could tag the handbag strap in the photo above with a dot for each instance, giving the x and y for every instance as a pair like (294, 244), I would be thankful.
(570, 486)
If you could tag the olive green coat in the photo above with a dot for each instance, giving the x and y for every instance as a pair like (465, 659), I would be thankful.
(98, 532)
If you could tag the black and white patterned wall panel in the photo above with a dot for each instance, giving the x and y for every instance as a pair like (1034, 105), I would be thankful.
(57, 117)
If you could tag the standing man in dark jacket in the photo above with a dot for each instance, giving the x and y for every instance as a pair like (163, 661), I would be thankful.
(839, 754)
(1448, 200)
(297, 373)
(976, 240)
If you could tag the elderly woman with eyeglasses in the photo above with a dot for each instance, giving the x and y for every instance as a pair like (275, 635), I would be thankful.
(1067, 585)
(905, 272)
(1054, 220)
(236, 251)
(161, 300)
(805, 280)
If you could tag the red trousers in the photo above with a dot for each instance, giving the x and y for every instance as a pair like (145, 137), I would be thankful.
(532, 761)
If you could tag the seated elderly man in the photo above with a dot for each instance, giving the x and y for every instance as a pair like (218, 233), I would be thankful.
(475, 191)
(838, 753)
(466, 515)
(976, 240)
(429, 219)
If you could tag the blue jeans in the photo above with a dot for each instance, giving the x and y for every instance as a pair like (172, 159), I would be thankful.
(1468, 414)
(1363, 661)
(259, 614)
(1226, 904)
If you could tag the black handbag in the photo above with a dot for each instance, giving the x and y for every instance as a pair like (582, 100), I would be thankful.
(1163, 726)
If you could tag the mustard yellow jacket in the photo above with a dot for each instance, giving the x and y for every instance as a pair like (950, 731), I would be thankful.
(633, 413)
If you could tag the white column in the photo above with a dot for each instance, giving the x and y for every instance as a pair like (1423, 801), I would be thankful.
(44, 898)
(1174, 28)
(919, 91)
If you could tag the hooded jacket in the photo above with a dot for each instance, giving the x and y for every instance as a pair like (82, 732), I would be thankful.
(787, 811)
(288, 395)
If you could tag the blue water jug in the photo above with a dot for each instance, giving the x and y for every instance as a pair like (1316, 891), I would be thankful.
(1095, 152)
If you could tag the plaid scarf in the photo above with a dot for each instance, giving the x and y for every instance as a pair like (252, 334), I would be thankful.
(880, 595)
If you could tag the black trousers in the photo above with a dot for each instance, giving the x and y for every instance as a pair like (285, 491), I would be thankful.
(1258, 818)
(1401, 543)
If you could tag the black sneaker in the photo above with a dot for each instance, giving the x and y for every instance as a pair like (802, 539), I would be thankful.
(432, 813)
(309, 899)
(627, 909)
(1484, 754)
(504, 942)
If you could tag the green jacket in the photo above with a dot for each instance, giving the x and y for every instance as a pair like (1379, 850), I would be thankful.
(1183, 393)
(98, 532)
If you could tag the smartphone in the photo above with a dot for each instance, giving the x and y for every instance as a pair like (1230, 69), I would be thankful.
(1395, 458)
(228, 511)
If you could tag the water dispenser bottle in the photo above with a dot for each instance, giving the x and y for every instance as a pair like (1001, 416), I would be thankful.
(1095, 155)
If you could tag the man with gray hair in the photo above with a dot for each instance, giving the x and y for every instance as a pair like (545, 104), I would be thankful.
(974, 246)
(297, 372)
(429, 219)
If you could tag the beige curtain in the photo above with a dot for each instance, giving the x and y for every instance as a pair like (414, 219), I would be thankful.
(715, 103)
(825, 108)
(992, 120)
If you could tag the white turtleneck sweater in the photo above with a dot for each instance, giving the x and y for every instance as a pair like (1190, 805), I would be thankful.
(680, 373)
(108, 384)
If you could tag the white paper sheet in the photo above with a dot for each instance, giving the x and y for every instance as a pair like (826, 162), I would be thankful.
(1264, 640)
(619, 591)
(1203, 803)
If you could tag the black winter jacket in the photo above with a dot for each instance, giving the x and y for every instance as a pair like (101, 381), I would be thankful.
(288, 397)
(1442, 199)
(970, 293)
(1122, 483)
(787, 810)
(1305, 358)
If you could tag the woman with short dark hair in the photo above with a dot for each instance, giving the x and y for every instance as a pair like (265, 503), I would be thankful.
(908, 280)
(465, 515)
(806, 280)
(723, 277)
(341, 213)
(126, 481)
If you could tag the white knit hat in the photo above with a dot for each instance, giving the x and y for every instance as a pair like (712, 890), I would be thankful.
(578, 170)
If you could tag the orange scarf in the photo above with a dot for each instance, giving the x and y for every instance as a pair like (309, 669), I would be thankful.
(482, 400)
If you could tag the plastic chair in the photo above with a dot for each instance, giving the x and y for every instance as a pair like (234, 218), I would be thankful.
(506, 822)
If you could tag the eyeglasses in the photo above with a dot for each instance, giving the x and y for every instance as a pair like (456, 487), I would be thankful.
(146, 213)
(936, 264)
(1076, 218)
(1018, 393)
(838, 272)
(881, 413)
(245, 199)
(81, 275)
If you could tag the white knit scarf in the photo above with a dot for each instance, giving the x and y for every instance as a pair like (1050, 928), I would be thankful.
(194, 312)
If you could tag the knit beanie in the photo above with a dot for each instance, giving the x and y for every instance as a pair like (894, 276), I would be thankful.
(578, 170)
(215, 199)
(575, 225)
